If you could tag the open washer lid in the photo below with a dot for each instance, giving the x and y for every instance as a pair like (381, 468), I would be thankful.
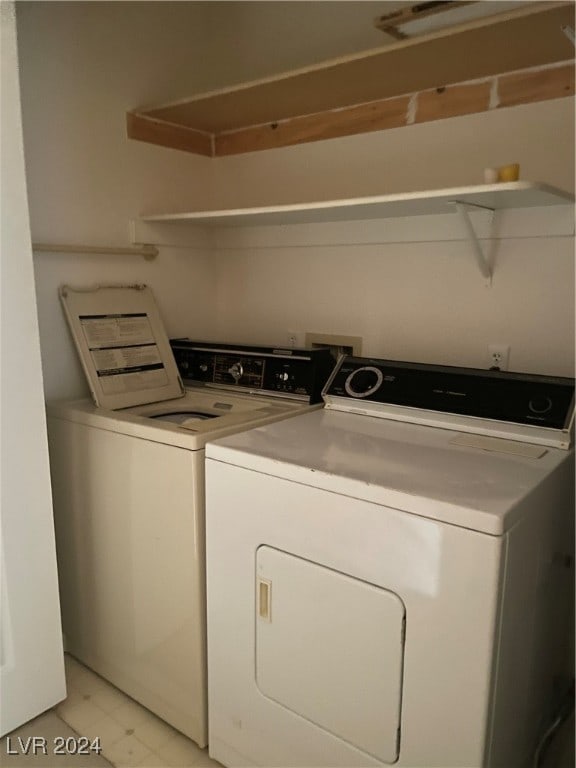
(123, 347)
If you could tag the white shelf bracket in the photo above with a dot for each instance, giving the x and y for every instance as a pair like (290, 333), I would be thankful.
(463, 210)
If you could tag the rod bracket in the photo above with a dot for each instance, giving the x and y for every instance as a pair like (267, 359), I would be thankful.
(148, 252)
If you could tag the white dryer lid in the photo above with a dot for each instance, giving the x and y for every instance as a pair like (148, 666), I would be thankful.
(123, 347)
(435, 473)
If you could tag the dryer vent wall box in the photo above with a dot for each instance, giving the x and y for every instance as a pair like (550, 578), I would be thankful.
(420, 586)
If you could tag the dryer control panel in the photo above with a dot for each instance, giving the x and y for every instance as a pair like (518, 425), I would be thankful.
(294, 373)
(394, 389)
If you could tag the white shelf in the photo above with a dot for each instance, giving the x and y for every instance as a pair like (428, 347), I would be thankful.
(459, 201)
(518, 194)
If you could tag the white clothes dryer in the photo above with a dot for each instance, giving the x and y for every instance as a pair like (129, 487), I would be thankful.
(390, 580)
(128, 489)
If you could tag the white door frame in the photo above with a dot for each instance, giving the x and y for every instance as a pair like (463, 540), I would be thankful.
(31, 655)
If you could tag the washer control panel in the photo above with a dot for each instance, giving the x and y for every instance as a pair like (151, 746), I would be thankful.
(294, 373)
(519, 398)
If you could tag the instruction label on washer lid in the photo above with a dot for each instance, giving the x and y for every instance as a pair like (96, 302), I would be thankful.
(116, 330)
(124, 352)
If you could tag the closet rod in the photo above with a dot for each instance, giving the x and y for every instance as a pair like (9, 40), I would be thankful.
(147, 251)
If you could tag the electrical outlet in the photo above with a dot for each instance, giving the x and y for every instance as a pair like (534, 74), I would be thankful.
(498, 356)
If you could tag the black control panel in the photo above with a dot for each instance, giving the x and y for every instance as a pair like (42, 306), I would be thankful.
(286, 372)
(519, 398)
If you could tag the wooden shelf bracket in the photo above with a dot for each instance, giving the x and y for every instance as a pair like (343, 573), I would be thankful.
(463, 209)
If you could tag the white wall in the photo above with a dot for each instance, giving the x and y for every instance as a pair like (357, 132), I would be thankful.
(443, 153)
(85, 64)
(424, 301)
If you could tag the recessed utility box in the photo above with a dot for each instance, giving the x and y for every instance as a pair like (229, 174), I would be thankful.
(338, 345)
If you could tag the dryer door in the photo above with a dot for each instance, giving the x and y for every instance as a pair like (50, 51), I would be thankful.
(330, 648)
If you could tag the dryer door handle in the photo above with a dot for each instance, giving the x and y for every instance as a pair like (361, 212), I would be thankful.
(264, 599)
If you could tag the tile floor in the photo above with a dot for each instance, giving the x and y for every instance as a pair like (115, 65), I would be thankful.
(129, 734)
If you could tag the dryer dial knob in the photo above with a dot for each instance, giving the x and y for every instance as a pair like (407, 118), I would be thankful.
(363, 381)
(236, 371)
(540, 404)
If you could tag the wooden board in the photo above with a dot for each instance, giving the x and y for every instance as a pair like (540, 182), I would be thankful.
(153, 131)
(375, 116)
(530, 36)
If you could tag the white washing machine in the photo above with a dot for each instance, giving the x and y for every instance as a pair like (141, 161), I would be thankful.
(128, 488)
(390, 580)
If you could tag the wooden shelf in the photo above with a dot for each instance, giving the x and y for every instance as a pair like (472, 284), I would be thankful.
(312, 103)
(517, 194)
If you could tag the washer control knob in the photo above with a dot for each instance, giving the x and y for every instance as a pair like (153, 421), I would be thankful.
(363, 381)
(540, 404)
(236, 371)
